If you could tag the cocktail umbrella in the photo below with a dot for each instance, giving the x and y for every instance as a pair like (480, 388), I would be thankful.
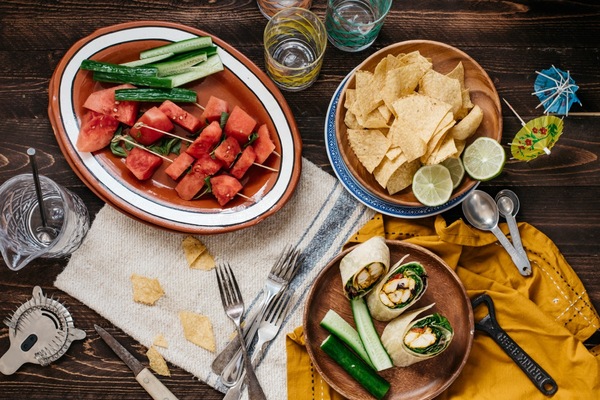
(536, 137)
(556, 90)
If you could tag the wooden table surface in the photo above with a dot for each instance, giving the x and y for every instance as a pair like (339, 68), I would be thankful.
(511, 40)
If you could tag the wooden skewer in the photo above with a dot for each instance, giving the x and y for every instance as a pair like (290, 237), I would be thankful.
(199, 106)
(139, 125)
(582, 114)
(266, 167)
(123, 138)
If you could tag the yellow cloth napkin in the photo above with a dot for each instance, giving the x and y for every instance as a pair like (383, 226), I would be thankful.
(548, 314)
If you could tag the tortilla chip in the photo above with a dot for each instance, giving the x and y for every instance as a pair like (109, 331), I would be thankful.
(367, 99)
(402, 177)
(418, 117)
(157, 362)
(160, 341)
(446, 149)
(369, 146)
(443, 88)
(197, 255)
(468, 125)
(403, 81)
(393, 153)
(198, 330)
(146, 290)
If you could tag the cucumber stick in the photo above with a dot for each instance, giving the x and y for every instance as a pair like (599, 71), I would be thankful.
(337, 325)
(145, 61)
(355, 366)
(179, 47)
(369, 336)
(99, 66)
(156, 94)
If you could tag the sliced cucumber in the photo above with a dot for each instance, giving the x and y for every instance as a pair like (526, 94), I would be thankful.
(146, 61)
(156, 94)
(369, 336)
(152, 81)
(178, 47)
(208, 67)
(99, 66)
(337, 325)
(182, 63)
(355, 366)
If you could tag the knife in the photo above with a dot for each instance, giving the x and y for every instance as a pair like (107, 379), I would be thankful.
(145, 378)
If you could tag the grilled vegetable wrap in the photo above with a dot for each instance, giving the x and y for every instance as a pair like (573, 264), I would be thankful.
(410, 341)
(362, 267)
(402, 286)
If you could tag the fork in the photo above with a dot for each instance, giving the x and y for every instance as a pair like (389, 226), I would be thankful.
(234, 308)
(228, 362)
(269, 327)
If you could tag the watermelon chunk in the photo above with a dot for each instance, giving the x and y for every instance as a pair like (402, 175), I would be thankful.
(178, 115)
(96, 132)
(190, 185)
(225, 188)
(210, 136)
(213, 109)
(239, 125)
(156, 119)
(179, 165)
(263, 145)
(142, 163)
(243, 163)
(227, 151)
(207, 165)
(103, 102)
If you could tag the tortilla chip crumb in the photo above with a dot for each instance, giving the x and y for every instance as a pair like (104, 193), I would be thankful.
(146, 290)
(198, 330)
(160, 341)
(197, 255)
(157, 362)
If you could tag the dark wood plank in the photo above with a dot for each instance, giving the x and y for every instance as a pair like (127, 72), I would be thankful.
(511, 40)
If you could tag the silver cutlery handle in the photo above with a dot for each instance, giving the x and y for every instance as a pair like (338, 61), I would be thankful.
(235, 392)
(255, 391)
(232, 371)
(233, 348)
(520, 261)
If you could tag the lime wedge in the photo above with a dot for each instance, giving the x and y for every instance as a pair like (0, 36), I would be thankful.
(432, 185)
(457, 171)
(484, 159)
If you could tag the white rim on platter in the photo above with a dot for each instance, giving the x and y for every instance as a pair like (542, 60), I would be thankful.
(118, 191)
(359, 191)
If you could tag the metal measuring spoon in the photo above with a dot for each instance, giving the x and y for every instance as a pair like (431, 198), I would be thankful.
(508, 207)
(481, 211)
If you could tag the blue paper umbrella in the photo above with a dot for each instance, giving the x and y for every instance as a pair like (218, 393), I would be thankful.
(556, 90)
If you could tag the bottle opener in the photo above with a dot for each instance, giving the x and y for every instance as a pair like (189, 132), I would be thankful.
(534, 372)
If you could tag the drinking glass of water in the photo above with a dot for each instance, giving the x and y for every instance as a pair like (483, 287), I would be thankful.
(353, 25)
(295, 42)
(268, 8)
(26, 232)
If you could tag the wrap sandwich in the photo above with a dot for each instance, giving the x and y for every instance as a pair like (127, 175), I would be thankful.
(363, 266)
(410, 341)
(401, 287)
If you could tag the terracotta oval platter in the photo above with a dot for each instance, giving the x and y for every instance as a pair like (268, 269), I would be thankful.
(444, 58)
(423, 380)
(155, 201)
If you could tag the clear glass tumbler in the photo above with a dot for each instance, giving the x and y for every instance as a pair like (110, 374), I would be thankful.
(353, 25)
(295, 42)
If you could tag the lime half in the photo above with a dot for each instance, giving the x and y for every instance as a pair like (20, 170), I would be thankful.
(432, 185)
(484, 159)
(457, 171)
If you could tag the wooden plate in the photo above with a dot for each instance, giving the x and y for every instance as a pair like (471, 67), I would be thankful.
(154, 201)
(423, 380)
(444, 59)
